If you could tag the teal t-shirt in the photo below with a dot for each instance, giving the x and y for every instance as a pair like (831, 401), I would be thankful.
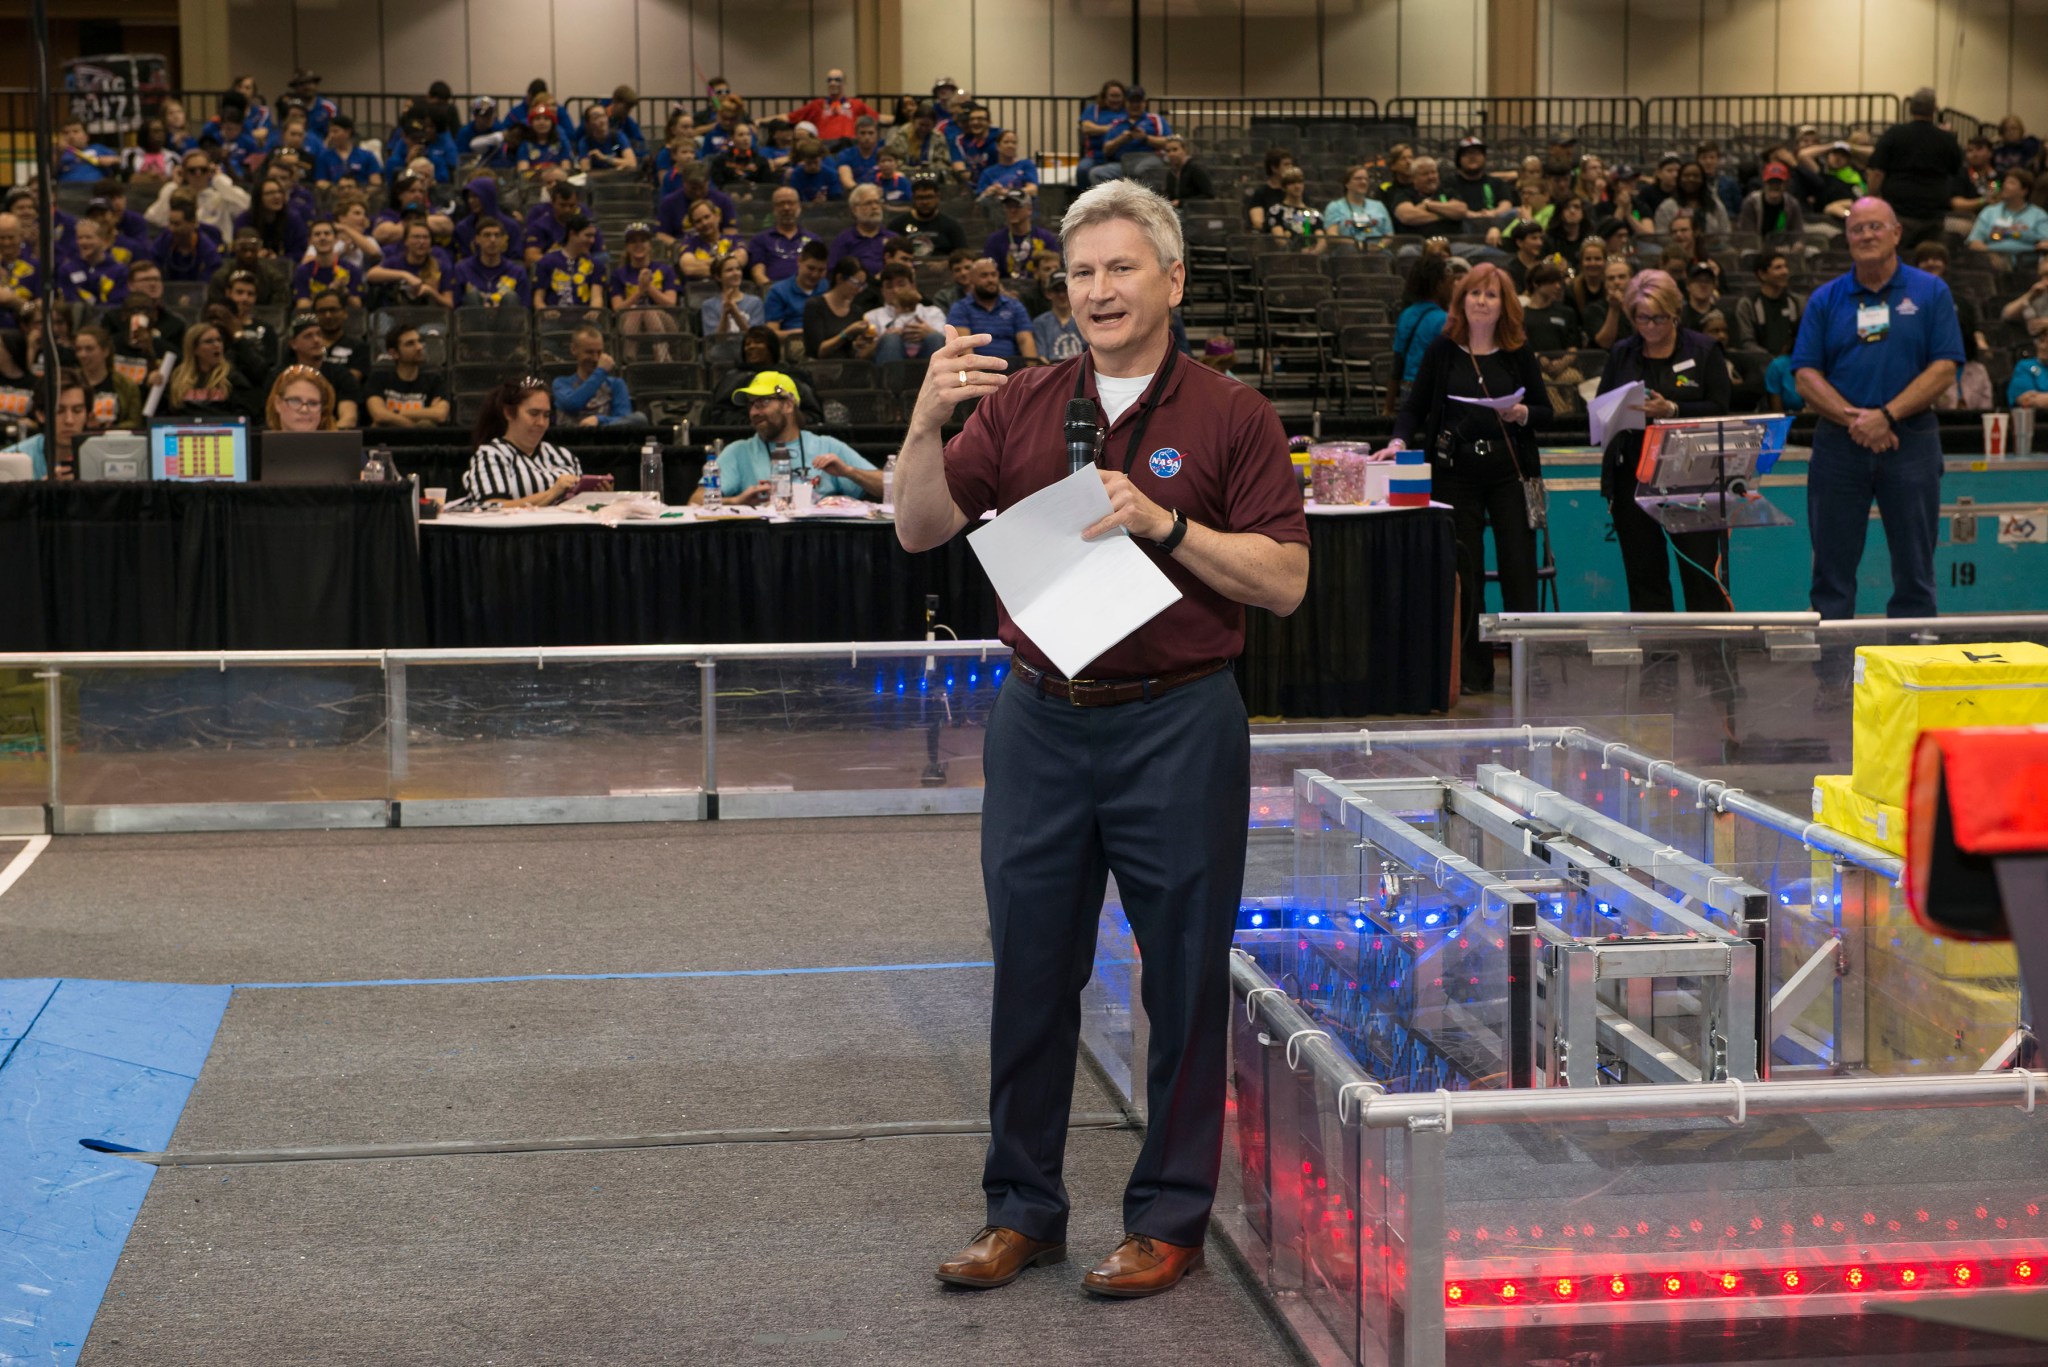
(746, 463)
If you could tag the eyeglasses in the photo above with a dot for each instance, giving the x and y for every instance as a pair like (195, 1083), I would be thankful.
(298, 402)
(1652, 320)
(1870, 229)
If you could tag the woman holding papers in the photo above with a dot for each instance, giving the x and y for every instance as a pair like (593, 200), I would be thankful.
(1474, 407)
(1679, 374)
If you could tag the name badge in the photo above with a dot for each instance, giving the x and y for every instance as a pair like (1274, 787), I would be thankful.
(1873, 321)
(1682, 365)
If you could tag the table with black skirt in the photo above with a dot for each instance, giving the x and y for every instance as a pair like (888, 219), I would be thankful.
(1372, 637)
(163, 566)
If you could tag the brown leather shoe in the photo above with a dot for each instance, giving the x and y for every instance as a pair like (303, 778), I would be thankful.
(996, 1257)
(1142, 1266)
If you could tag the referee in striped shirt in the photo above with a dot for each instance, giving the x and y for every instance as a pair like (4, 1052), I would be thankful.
(515, 464)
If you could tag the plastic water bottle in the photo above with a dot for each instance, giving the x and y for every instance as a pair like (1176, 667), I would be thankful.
(650, 469)
(779, 476)
(378, 466)
(889, 481)
(714, 497)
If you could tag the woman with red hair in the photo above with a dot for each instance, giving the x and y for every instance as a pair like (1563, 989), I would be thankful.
(1483, 459)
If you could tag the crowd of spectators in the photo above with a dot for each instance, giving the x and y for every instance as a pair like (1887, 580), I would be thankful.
(258, 241)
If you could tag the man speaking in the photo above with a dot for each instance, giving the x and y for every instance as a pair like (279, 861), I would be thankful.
(1141, 769)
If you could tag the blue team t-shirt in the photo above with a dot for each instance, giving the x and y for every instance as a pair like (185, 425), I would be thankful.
(1002, 323)
(355, 164)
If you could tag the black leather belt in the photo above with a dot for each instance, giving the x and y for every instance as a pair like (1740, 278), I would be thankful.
(1109, 692)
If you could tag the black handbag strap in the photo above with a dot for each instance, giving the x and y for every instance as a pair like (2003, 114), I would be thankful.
(1506, 436)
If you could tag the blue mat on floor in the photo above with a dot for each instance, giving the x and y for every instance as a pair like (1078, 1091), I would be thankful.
(111, 1062)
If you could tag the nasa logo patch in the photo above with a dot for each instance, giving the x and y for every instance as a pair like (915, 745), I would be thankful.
(1165, 462)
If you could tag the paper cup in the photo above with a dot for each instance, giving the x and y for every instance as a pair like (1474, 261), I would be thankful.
(2021, 444)
(1996, 428)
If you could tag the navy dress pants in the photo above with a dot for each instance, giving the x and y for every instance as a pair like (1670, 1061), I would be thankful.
(1841, 482)
(1154, 793)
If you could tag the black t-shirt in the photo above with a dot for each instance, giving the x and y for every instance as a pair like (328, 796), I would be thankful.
(1263, 197)
(352, 355)
(938, 236)
(1920, 163)
(1776, 328)
(1190, 182)
(1556, 328)
(405, 396)
(1481, 195)
(821, 324)
(1966, 319)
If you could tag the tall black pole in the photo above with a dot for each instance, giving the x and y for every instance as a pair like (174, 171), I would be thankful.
(1137, 41)
(46, 221)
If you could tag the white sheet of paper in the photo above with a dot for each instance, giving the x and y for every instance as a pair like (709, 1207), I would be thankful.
(1075, 598)
(1499, 403)
(1615, 411)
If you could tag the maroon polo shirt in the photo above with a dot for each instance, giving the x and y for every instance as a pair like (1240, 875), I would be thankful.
(1214, 450)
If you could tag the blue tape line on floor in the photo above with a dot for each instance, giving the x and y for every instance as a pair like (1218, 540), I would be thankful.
(626, 977)
(97, 1060)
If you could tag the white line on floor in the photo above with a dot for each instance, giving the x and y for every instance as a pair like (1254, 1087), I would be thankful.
(18, 865)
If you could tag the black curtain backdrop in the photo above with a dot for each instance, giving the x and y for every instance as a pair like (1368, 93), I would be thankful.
(109, 567)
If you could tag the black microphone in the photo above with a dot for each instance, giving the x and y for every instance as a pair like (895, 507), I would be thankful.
(1082, 434)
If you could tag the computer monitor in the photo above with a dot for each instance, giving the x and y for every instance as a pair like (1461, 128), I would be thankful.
(193, 452)
(16, 467)
(310, 458)
(114, 455)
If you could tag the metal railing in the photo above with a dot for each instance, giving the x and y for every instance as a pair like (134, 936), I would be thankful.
(55, 670)
(1049, 125)
(1618, 637)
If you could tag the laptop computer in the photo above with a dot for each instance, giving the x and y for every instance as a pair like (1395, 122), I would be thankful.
(310, 458)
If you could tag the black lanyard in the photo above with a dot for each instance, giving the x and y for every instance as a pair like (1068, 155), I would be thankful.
(1158, 390)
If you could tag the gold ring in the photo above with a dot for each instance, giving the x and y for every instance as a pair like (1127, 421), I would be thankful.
(960, 378)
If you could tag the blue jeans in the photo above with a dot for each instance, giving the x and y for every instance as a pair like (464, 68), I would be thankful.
(889, 347)
(1147, 168)
(1841, 481)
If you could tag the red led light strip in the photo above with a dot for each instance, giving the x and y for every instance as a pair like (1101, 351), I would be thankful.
(1966, 1274)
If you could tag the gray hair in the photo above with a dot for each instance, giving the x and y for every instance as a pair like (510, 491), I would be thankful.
(864, 122)
(1132, 202)
(1921, 104)
(1417, 163)
(864, 192)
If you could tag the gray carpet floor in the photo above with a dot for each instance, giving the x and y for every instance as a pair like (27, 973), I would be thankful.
(380, 1065)
(808, 1252)
(321, 906)
(818, 1253)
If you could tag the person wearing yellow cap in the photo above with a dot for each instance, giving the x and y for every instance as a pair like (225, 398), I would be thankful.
(744, 467)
